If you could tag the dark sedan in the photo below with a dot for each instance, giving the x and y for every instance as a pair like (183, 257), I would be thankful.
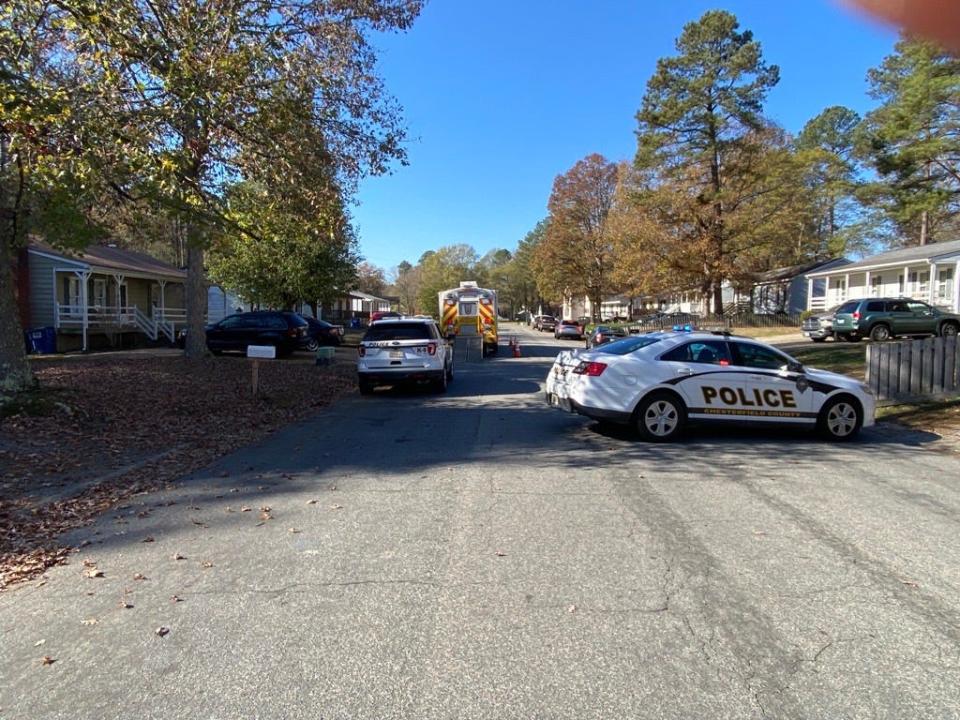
(286, 331)
(602, 334)
(322, 333)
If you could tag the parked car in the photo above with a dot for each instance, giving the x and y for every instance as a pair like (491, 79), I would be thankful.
(381, 314)
(883, 318)
(286, 331)
(819, 327)
(404, 350)
(322, 333)
(661, 381)
(603, 334)
(570, 329)
(545, 323)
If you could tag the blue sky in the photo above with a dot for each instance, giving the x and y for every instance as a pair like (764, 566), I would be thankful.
(502, 96)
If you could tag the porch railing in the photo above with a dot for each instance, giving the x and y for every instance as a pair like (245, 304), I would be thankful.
(108, 317)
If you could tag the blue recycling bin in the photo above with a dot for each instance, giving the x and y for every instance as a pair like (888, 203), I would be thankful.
(42, 341)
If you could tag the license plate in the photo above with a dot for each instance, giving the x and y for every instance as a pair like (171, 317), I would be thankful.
(396, 354)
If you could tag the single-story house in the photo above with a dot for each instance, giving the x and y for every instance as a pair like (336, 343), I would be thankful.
(99, 295)
(784, 290)
(930, 273)
(354, 304)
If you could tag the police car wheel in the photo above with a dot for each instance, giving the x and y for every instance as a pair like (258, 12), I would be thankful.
(660, 417)
(840, 419)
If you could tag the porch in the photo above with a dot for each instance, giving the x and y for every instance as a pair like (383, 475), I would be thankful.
(89, 301)
(937, 284)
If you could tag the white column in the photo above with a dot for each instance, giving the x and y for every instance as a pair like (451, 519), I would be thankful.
(809, 293)
(866, 280)
(933, 284)
(118, 279)
(906, 281)
(84, 277)
(163, 286)
(846, 286)
(956, 287)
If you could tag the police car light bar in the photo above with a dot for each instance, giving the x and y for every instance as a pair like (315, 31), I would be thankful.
(683, 328)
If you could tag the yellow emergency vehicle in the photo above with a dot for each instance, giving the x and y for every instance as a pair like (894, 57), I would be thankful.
(470, 310)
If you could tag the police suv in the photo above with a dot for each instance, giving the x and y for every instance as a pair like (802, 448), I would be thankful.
(662, 380)
(402, 350)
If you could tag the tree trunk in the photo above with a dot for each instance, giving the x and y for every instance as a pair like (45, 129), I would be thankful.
(718, 298)
(196, 345)
(924, 227)
(15, 372)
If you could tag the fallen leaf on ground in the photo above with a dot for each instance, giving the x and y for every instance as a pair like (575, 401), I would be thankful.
(161, 631)
(94, 573)
(47, 660)
(38, 643)
(125, 604)
(89, 563)
(265, 508)
(244, 509)
(148, 538)
(206, 564)
(500, 553)
(139, 576)
(311, 502)
(89, 621)
(178, 556)
(294, 530)
(572, 608)
(336, 506)
(176, 598)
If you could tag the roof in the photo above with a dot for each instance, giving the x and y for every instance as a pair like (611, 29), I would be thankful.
(903, 255)
(113, 258)
(365, 296)
(786, 273)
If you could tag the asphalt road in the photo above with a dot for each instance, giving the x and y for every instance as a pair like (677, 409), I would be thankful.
(478, 555)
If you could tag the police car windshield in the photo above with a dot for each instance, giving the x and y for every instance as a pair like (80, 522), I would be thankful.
(629, 345)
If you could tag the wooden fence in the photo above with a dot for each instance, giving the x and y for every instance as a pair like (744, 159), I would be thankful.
(914, 369)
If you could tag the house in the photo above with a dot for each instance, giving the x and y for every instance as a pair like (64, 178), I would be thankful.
(784, 290)
(99, 296)
(354, 304)
(926, 272)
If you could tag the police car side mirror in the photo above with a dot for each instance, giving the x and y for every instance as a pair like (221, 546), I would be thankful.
(795, 367)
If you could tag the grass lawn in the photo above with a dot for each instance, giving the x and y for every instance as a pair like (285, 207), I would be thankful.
(847, 359)
(765, 332)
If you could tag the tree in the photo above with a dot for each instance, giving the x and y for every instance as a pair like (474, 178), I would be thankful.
(282, 257)
(443, 269)
(576, 254)
(201, 93)
(406, 286)
(912, 141)
(826, 149)
(696, 121)
(371, 279)
(47, 185)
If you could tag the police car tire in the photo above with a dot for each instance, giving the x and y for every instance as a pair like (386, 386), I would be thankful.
(828, 421)
(441, 385)
(666, 402)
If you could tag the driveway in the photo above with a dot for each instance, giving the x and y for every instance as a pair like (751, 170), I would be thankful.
(478, 555)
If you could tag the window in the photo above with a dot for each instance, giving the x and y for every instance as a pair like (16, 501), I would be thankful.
(710, 352)
(231, 323)
(945, 284)
(468, 309)
(757, 356)
(919, 308)
(920, 281)
(99, 292)
(398, 331)
(875, 306)
(876, 285)
(272, 322)
(848, 307)
(897, 306)
(629, 345)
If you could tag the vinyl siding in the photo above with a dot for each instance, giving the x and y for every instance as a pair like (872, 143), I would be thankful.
(41, 290)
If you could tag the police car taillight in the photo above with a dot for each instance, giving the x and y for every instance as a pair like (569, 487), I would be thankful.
(432, 349)
(591, 369)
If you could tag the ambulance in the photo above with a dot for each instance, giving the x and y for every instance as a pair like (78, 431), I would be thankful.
(470, 310)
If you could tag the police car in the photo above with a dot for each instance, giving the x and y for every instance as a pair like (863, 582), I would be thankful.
(403, 350)
(661, 381)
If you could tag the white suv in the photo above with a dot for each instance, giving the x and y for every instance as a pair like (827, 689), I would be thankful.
(404, 350)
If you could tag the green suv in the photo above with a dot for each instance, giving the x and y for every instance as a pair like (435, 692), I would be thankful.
(883, 318)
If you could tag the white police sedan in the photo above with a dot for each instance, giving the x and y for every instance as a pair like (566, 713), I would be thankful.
(661, 381)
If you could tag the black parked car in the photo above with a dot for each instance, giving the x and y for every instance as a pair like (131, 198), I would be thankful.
(602, 334)
(322, 333)
(286, 331)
